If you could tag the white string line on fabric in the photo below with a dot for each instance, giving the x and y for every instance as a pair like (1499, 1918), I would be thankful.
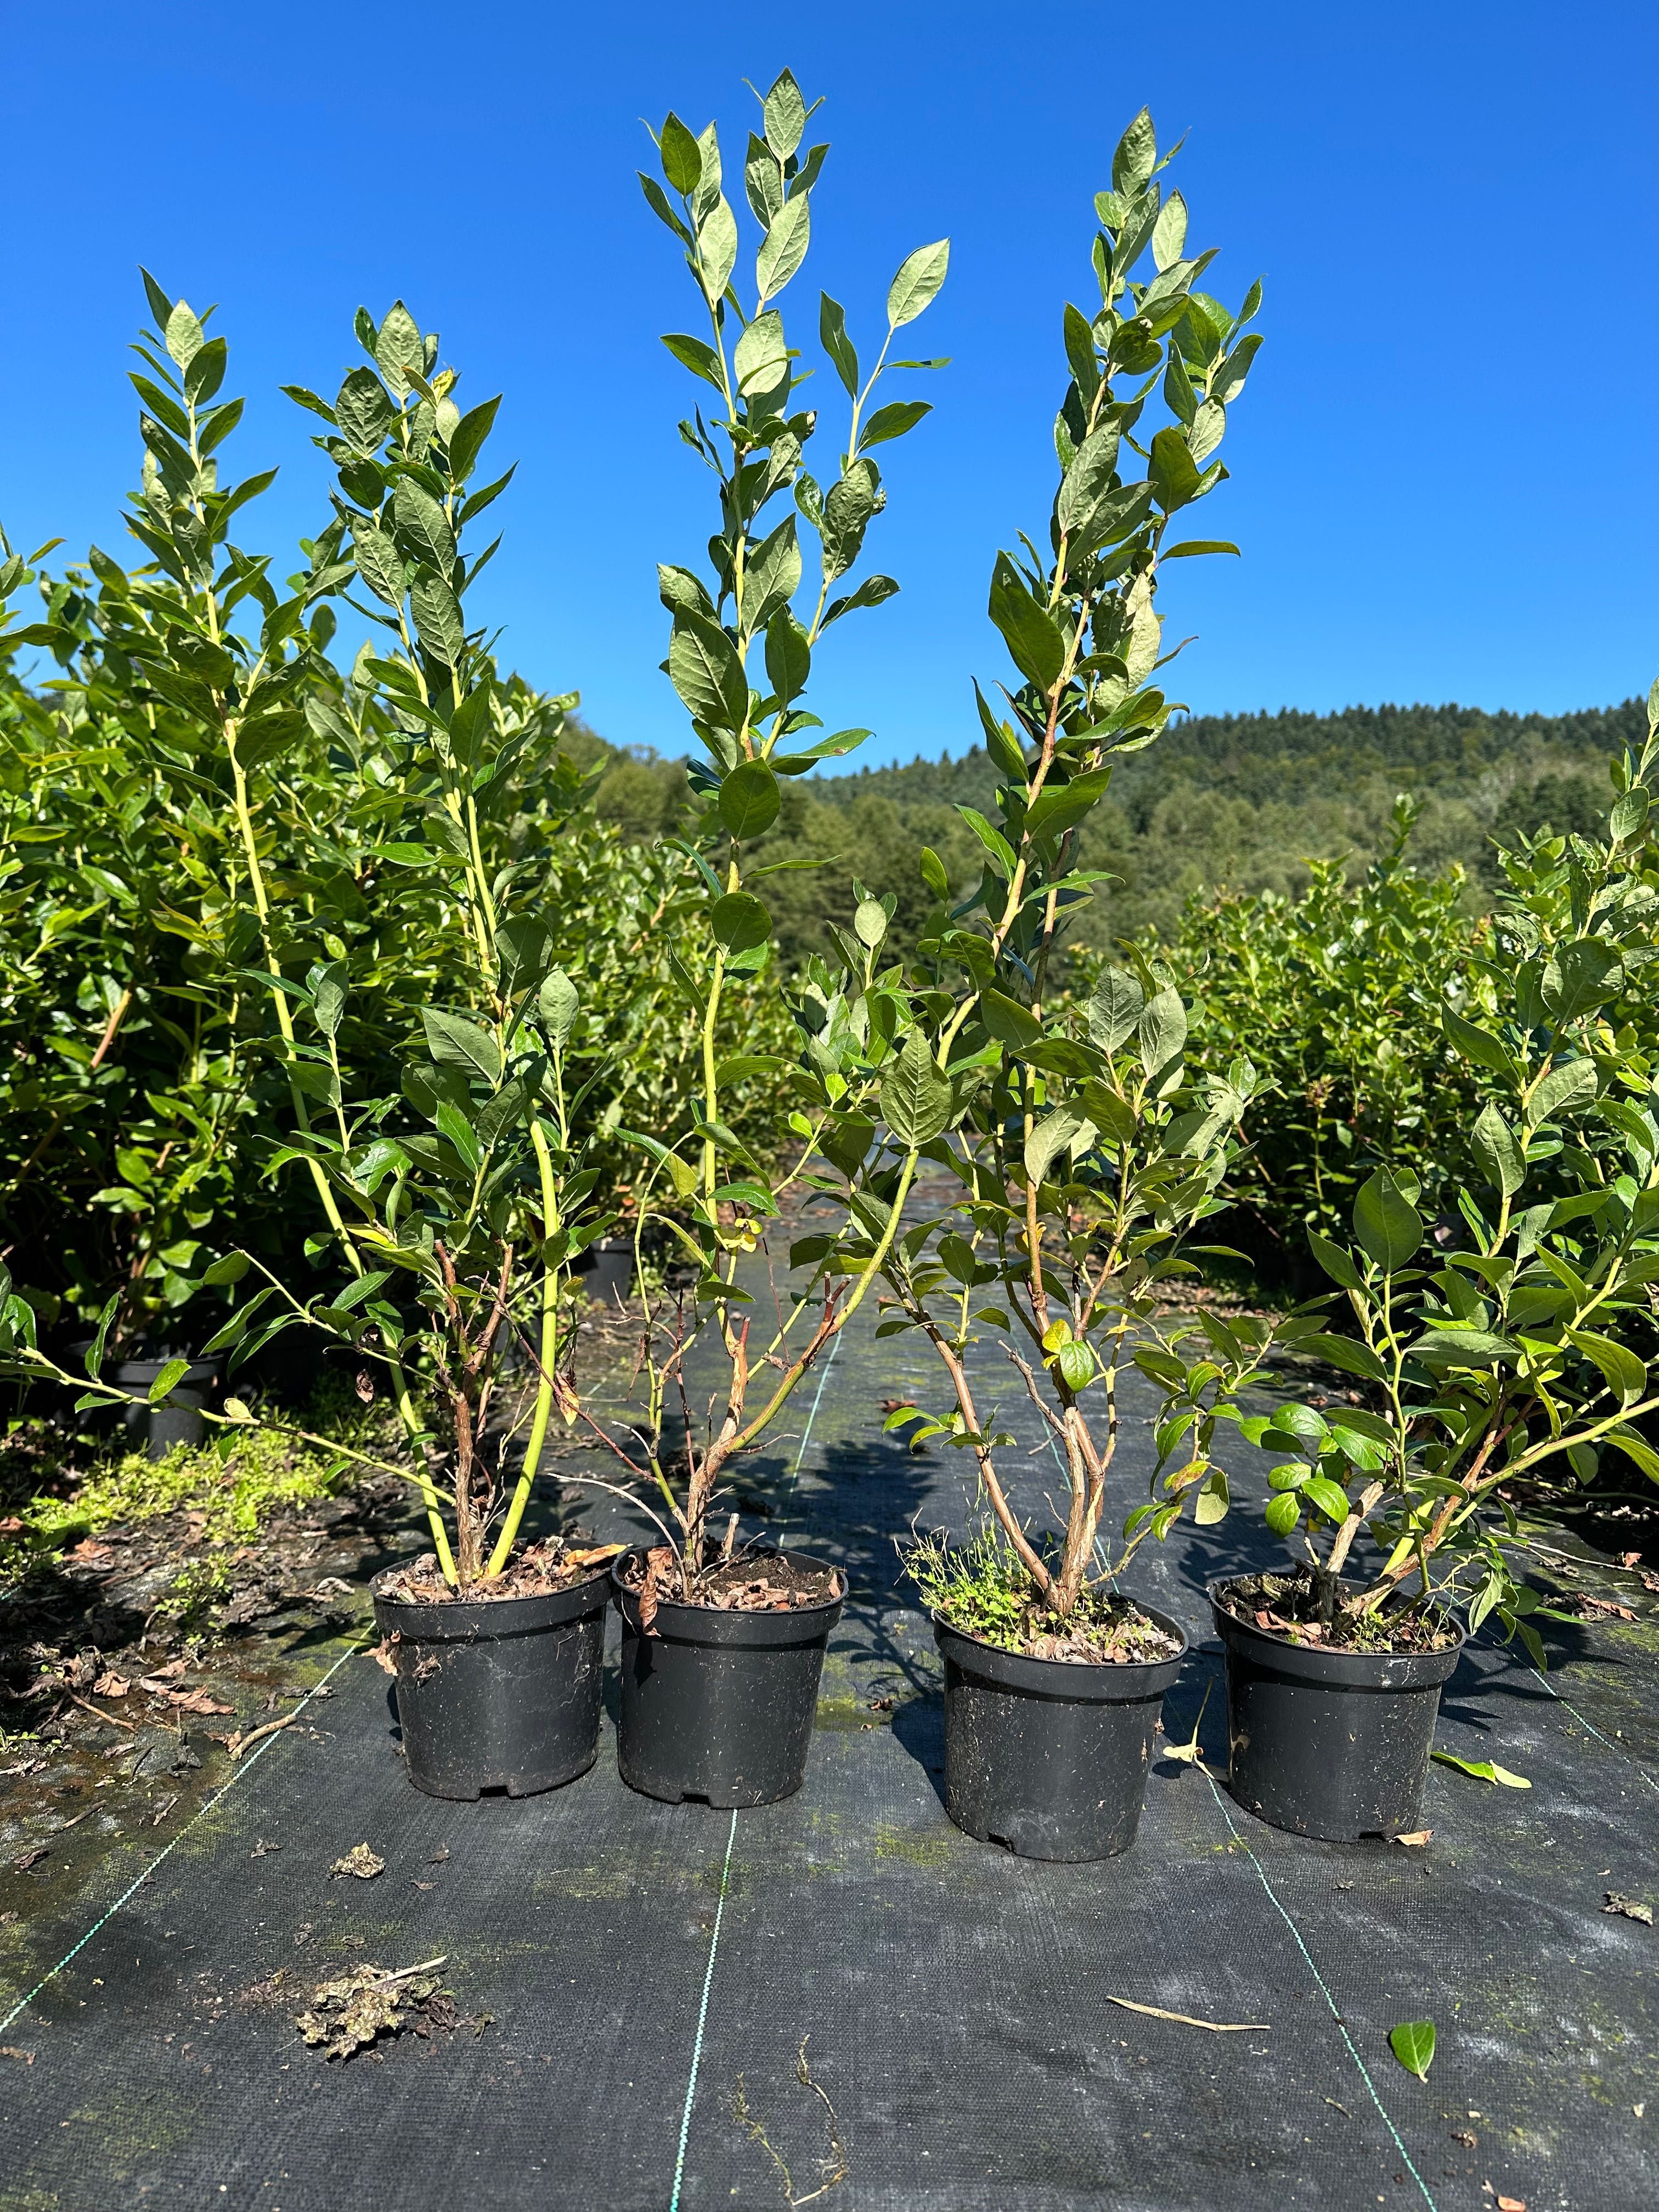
(200, 1813)
(1353, 2052)
(725, 1864)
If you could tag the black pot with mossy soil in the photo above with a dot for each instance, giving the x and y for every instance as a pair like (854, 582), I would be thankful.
(1329, 1729)
(718, 1695)
(498, 1687)
(1048, 1755)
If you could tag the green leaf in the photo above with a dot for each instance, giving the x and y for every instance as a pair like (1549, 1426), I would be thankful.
(760, 359)
(1172, 471)
(1483, 1769)
(704, 668)
(1008, 1022)
(682, 160)
(422, 522)
(750, 800)
(1189, 547)
(740, 922)
(1162, 1031)
(364, 411)
(893, 421)
(379, 563)
(1329, 1497)
(1475, 1043)
(1136, 156)
(917, 1101)
(172, 1374)
(1051, 1137)
(784, 112)
(1495, 1146)
(1212, 1499)
(1580, 975)
(1346, 1353)
(832, 335)
(1115, 1006)
(1412, 2045)
(870, 923)
(1076, 1363)
(438, 622)
(1033, 639)
(328, 989)
(1626, 1375)
(784, 247)
(1386, 1223)
(1463, 1347)
(916, 285)
(1283, 1511)
(454, 1042)
(230, 1269)
(993, 840)
(1568, 1085)
(1335, 1260)
(788, 655)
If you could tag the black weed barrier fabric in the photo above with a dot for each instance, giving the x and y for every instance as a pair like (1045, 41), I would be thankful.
(844, 2000)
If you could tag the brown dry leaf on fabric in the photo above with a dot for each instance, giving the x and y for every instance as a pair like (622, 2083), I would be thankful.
(360, 1860)
(1466, 2137)
(1630, 1558)
(1629, 1907)
(439, 1856)
(89, 1553)
(1582, 1601)
(1419, 1836)
(10, 2050)
(110, 1685)
(168, 1673)
(32, 1858)
(262, 1849)
(1511, 2204)
(198, 1701)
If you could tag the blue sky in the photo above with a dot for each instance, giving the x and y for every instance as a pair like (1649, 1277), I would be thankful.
(1445, 468)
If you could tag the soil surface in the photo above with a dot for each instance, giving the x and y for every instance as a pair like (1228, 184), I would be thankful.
(558, 1563)
(1288, 1606)
(764, 1581)
(1102, 1631)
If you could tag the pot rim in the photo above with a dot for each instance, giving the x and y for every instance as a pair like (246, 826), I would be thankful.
(1086, 1681)
(693, 1624)
(470, 1619)
(1357, 1669)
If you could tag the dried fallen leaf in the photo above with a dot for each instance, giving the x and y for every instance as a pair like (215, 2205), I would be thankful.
(110, 1685)
(1511, 2204)
(439, 1856)
(1466, 2137)
(168, 1673)
(1630, 1558)
(197, 1701)
(593, 1556)
(1629, 1907)
(32, 1858)
(1418, 1835)
(360, 1860)
(262, 1849)
(384, 1654)
(10, 2050)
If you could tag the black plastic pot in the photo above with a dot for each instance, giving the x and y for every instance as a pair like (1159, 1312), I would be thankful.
(498, 1695)
(1328, 1743)
(1046, 1757)
(608, 1277)
(177, 1419)
(719, 1706)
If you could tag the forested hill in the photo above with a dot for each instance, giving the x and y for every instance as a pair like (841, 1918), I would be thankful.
(1264, 757)
(1221, 802)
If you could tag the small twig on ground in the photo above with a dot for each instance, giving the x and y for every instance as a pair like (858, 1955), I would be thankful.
(99, 1713)
(1186, 2019)
(236, 1745)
